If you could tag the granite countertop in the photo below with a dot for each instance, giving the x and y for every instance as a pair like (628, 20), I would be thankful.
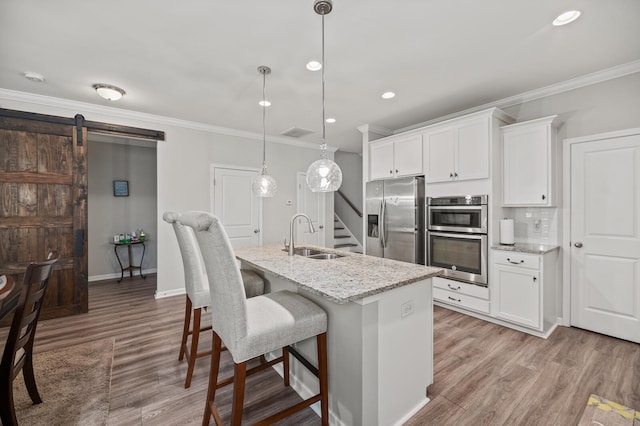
(527, 248)
(342, 280)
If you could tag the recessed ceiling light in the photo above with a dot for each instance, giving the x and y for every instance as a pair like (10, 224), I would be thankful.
(109, 92)
(33, 76)
(388, 95)
(264, 103)
(314, 66)
(566, 18)
(330, 120)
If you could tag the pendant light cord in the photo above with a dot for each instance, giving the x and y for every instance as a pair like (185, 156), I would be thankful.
(264, 125)
(324, 123)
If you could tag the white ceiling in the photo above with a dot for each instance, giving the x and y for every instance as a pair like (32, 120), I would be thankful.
(197, 60)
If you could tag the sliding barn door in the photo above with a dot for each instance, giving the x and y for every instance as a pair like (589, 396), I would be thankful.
(43, 207)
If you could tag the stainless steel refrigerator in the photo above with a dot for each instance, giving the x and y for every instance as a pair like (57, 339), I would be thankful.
(395, 219)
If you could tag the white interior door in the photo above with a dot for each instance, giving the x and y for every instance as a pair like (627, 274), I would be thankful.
(313, 204)
(605, 236)
(239, 210)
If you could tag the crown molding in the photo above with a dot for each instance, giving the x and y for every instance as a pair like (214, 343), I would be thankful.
(553, 89)
(83, 107)
(372, 128)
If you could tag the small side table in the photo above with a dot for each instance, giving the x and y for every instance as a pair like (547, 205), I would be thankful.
(131, 267)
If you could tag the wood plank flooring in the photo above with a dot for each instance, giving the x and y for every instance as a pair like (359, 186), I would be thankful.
(485, 374)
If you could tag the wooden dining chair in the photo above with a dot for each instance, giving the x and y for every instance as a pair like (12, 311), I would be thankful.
(18, 351)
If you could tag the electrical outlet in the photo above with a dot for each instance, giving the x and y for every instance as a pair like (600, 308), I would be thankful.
(537, 225)
(406, 309)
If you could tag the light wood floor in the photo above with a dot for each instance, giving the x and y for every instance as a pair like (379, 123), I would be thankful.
(484, 373)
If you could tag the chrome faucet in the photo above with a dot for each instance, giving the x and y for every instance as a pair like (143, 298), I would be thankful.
(293, 220)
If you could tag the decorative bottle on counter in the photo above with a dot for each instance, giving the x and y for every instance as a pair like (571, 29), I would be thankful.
(142, 235)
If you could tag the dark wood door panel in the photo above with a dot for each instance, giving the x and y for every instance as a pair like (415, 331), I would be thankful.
(43, 207)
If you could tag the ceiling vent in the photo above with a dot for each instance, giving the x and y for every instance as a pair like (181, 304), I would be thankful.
(296, 132)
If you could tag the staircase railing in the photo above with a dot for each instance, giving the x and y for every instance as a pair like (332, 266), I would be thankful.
(353, 206)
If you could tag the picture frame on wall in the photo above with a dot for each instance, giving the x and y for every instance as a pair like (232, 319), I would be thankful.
(120, 188)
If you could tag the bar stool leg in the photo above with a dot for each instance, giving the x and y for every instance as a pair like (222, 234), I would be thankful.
(193, 352)
(239, 378)
(209, 408)
(321, 340)
(185, 330)
(285, 365)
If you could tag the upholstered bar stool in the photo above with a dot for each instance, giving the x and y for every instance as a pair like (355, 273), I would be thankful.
(251, 327)
(197, 288)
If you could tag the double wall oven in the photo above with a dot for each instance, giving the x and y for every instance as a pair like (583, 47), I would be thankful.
(457, 237)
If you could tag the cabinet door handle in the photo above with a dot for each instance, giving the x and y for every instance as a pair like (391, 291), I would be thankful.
(455, 174)
(390, 172)
(544, 197)
(256, 231)
(515, 263)
(578, 244)
(455, 300)
(453, 288)
(451, 175)
(535, 279)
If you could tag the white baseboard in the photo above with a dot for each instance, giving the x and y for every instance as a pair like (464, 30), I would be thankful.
(413, 412)
(93, 278)
(169, 293)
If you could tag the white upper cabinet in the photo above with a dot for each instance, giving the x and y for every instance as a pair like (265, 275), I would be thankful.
(381, 160)
(457, 152)
(396, 157)
(529, 163)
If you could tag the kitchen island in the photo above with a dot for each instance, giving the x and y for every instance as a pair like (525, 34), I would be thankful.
(380, 330)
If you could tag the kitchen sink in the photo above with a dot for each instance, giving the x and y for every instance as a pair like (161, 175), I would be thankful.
(325, 256)
(315, 254)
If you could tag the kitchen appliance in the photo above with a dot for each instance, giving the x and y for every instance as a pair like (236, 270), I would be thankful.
(395, 219)
(457, 237)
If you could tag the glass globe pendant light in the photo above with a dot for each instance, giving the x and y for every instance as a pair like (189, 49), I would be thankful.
(323, 175)
(264, 185)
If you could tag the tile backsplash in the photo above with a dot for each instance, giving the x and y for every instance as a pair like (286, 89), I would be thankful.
(536, 225)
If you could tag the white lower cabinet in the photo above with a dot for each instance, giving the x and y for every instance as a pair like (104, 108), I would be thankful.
(468, 296)
(518, 295)
(523, 290)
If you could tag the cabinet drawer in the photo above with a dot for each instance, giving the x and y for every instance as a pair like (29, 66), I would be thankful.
(460, 287)
(462, 300)
(514, 258)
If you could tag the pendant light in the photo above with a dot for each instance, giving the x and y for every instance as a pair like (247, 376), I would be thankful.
(323, 175)
(264, 185)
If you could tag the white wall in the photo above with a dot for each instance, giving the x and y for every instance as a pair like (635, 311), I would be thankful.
(351, 166)
(183, 162)
(109, 215)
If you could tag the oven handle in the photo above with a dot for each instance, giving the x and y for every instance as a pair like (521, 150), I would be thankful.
(458, 235)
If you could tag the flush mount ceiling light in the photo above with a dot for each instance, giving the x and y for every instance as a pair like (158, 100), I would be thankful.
(34, 76)
(388, 95)
(566, 18)
(314, 66)
(264, 185)
(323, 175)
(109, 92)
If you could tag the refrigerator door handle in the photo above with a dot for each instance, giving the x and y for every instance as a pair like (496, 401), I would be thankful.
(380, 226)
(383, 228)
